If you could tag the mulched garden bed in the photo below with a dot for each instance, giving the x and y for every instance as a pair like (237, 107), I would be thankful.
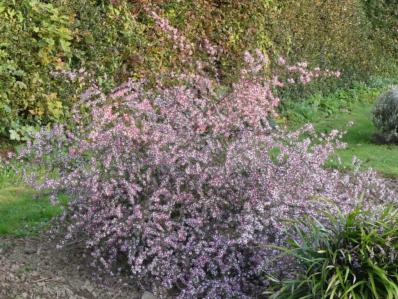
(34, 268)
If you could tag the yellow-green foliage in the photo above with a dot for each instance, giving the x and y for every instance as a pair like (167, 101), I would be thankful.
(117, 39)
(383, 16)
(108, 41)
(333, 33)
(34, 39)
(330, 33)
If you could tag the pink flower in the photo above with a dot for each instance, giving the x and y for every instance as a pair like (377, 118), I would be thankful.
(281, 61)
(72, 151)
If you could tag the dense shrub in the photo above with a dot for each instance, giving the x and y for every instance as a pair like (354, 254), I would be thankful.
(185, 186)
(35, 39)
(129, 43)
(330, 33)
(353, 256)
(40, 41)
(385, 116)
(109, 42)
(383, 16)
(116, 40)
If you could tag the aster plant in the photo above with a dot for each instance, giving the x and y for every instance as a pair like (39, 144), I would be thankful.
(187, 186)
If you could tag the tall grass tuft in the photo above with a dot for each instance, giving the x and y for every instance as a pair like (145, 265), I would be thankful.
(353, 256)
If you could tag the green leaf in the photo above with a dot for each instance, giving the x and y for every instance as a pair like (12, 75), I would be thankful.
(14, 135)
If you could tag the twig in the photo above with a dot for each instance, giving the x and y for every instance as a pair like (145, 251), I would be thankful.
(45, 280)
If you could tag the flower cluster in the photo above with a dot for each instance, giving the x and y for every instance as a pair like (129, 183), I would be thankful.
(179, 40)
(302, 74)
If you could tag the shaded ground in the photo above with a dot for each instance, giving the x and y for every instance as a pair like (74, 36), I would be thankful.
(34, 268)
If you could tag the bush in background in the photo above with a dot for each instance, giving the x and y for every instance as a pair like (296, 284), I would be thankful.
(35, 39)
(354, 255)
(383, 16)
(111, 41)
(50, 52)
(385, 116)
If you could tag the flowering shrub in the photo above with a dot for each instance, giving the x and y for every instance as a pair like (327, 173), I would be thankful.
(186, 184)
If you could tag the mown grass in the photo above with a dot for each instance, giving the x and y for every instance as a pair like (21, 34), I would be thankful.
(335, 112)
(20, 213)
(382, 158)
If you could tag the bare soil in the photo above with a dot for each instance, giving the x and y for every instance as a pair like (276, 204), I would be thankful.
(33, 268)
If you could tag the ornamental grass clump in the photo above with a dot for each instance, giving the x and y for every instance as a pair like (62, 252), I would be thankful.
(352, 256)
(385, 116)
(186, 186)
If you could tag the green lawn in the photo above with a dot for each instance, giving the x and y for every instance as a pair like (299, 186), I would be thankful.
(20, 214)
(335, 112)
(383, 158)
